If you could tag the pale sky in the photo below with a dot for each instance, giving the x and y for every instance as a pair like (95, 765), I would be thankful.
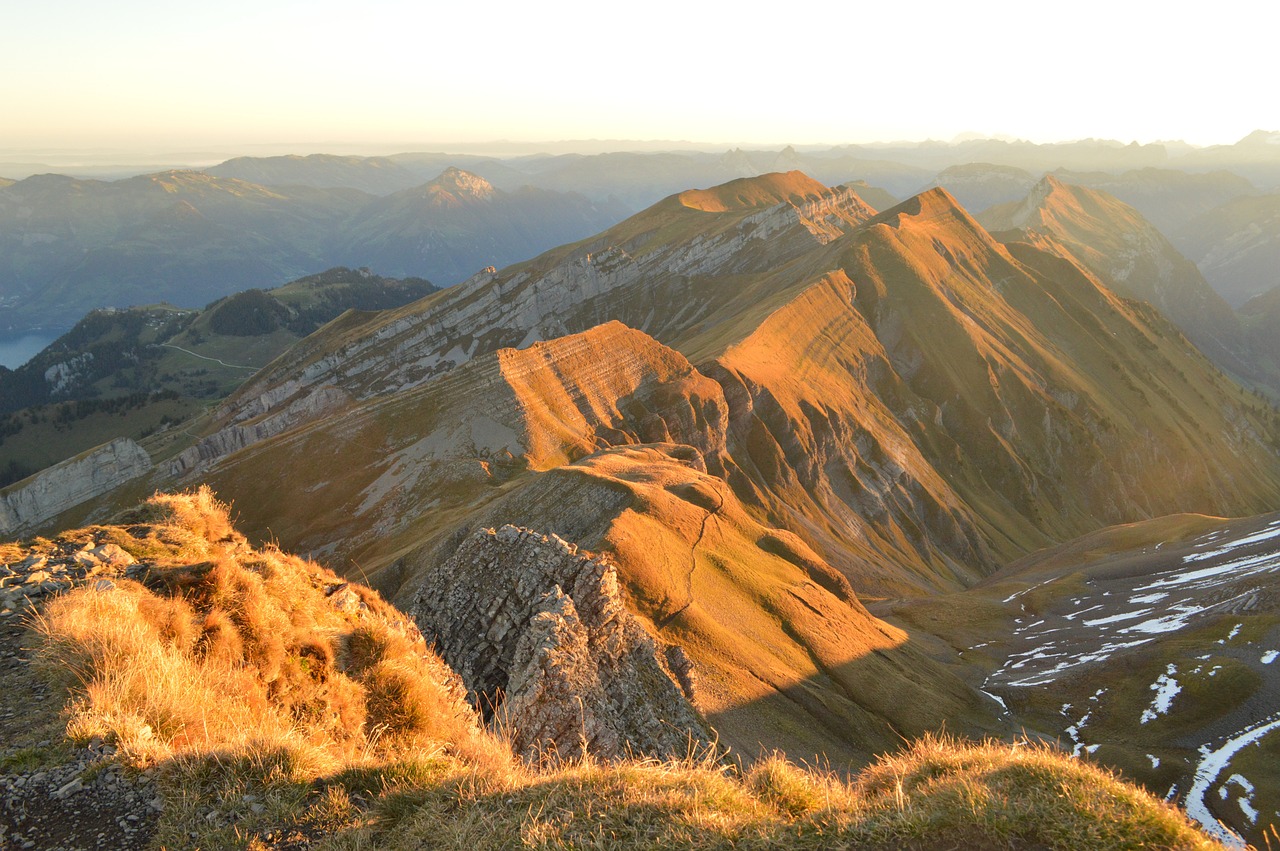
(147, 75)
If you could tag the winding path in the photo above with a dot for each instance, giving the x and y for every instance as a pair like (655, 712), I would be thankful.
(206, 357)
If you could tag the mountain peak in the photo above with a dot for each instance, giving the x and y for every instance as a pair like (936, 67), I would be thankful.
(462, 184)
(930, 204)
(751, 192)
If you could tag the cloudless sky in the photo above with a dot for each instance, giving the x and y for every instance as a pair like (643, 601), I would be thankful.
(147, 75)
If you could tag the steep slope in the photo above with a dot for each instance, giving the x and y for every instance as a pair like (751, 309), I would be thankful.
(666, 271)
(1260, 316)
(942, 403)
(250, 697)
(435, 230)
(396, 484)
(915, 400)
(783, 653)
(1130, 256)
(1236, 246)
(135, 373)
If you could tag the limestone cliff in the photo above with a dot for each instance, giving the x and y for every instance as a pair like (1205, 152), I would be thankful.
(547, 649)
(66, 485)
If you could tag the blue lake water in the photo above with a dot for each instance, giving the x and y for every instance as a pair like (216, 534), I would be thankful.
(17, 349)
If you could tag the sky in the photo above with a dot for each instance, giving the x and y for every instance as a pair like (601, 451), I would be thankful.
(146, 75)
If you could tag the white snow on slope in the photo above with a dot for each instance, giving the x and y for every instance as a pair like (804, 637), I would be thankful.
(1213, 763)
(1166, 688)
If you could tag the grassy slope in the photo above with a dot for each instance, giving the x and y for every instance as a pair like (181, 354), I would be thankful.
(233, 673)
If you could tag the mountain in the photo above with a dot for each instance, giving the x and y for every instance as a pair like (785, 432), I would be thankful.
(639, 179)
(978, 186)
(1166, 197)
(1260, 316)
(1255, 157)
(374, 175)
(137, 372)
(1237, 246)
(180, 687)
(933, 345)
(183, 237)
(186, 238)
(437, 228)
(1080, 155)
(1114, 242)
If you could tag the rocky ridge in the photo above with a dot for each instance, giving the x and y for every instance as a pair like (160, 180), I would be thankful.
(546, 298)
(540, 635)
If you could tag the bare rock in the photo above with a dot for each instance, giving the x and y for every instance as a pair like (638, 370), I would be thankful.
(547, 649)
(65, 485)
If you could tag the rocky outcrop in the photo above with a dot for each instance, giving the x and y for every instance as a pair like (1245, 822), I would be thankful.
(70, 483)
(541, 637)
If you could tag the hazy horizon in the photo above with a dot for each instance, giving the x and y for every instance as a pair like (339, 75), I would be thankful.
(142, 76)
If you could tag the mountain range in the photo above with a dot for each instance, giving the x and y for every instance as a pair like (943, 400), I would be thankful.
(847, 462)
(185, 237)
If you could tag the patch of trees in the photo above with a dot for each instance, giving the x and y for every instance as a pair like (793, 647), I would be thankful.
(13, 472)
(69, 412)
(247, 314)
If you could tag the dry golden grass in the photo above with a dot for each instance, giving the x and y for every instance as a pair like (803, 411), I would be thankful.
(225, 648)
(938, 793)
(280, 714)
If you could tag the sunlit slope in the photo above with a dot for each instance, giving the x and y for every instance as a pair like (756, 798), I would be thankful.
(625, 430)
(674, 271)
(940, 404)
(1130, 256)
(382, 475)
(784, 654)
(915, 400)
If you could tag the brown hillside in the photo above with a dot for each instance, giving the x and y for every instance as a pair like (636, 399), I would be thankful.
(753, 192)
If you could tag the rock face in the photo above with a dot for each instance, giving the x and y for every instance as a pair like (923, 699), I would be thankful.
(542, 639)
(70, 483)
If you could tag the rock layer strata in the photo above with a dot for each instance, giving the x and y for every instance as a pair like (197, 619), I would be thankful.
(544, 643)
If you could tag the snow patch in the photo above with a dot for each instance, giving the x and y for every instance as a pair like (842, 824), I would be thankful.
(1213, 763)
(1166, 688)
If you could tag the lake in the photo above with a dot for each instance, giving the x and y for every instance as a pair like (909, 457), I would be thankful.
(17, 349)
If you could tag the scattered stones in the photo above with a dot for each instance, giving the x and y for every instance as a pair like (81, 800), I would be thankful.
(84, 800)
(41, 575)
